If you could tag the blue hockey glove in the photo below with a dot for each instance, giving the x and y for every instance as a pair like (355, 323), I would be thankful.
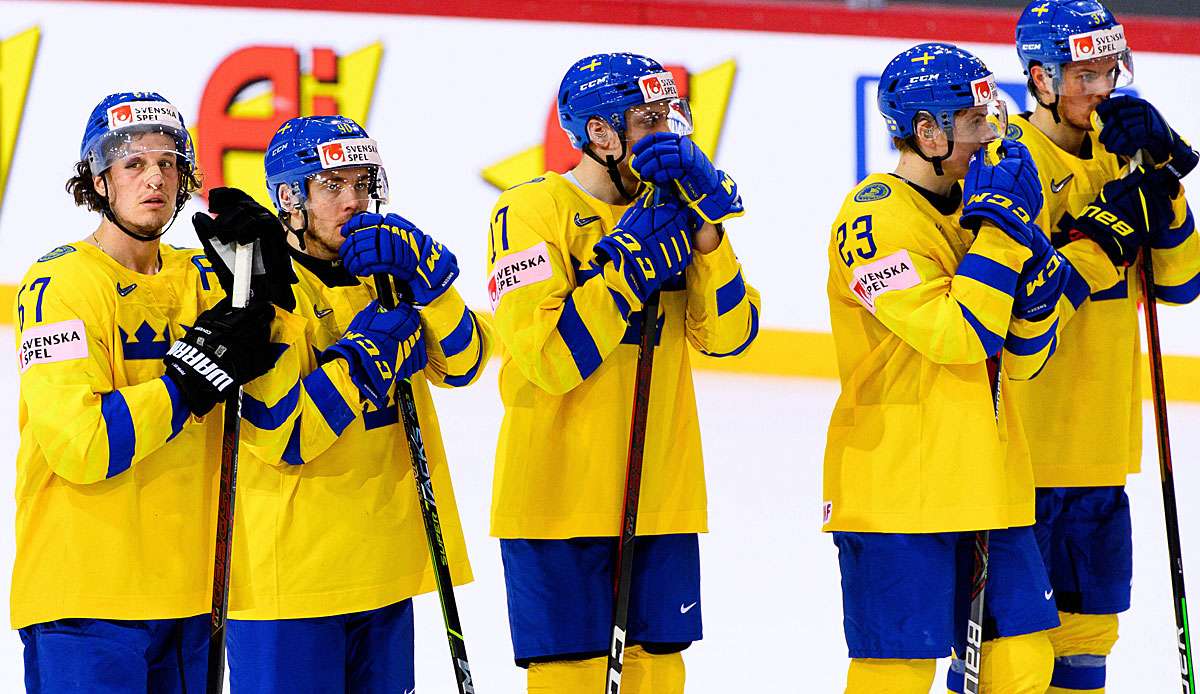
(1042, 281)
(1132, 124)
(666, 158)
(1007, 194)
(650, 244)
(1123, 216)
(391, 244)
(380, 346)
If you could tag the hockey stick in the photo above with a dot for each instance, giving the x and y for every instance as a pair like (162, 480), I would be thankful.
(243, 265)
(973, 655)
(1166, 469)
(633, 490)
(407, 405)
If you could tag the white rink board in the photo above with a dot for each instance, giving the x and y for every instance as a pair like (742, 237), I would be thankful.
(454, 96)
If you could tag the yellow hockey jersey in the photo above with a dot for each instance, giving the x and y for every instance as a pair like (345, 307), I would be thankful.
(917, 303)
(567, 373)
(116, 481)
(328, 516)
(1098, 364)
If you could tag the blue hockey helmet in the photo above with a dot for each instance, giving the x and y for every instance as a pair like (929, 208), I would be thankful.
(115, 127)
(939, 80)
(305, 148)
(1052, 33)
(607, 85)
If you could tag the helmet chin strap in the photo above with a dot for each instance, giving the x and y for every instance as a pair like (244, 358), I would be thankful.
(111, 216)
(936, 161)
(610, 163)
(1052, 107)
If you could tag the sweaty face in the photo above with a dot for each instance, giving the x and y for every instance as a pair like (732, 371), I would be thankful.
(141, 188)
(973, 128)
(333, 198)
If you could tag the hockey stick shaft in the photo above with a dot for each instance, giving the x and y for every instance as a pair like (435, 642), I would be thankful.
(407, 405)
(1167, 474)
(973, 654)
(633, 489)
(223, 551)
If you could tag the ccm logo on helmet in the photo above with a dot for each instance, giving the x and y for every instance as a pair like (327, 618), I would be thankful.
(358, 151)
(1096, 44)
(143, 113)
(660, 85)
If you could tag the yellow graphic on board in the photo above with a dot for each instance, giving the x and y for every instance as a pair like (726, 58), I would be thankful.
(17, 55)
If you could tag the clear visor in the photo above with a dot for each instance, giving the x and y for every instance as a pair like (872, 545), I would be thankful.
(143, 143)
(362, 184)
(981, 124)
(973, 125)
(676, 113)
(1095, 76)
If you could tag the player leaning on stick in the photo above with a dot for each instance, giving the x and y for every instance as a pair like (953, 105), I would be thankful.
(1075, 55)
(924, 292)
(330, 546)
(117, 466)
(567, 289)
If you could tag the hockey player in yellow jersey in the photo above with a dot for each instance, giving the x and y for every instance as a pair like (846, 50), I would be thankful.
(1075, 55)
(330, 546)
(925, 292)
(572, 258)
(117, 465)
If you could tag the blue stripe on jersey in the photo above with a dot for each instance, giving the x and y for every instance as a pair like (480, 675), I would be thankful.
(987, 271)
(291, 453)
(465, 379)
(742, 347)
(622, 305)
(1029, 346)
(731, 294)
(1077, 290)
(1173, 237)
(578, 339)
(1120, 290)
(990, 341)
(269, 418)
(329, 401)
(179, 410)
(459, 338)
(121, 436)
(1181, 293)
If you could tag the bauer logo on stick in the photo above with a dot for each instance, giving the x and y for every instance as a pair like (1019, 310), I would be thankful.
(660, 85)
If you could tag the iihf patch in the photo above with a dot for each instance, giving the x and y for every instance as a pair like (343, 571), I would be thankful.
(892, 273)
(826, 512)
(57, 253)
(43, 344)
(873, 192)
(1013, 132)
(517, 270)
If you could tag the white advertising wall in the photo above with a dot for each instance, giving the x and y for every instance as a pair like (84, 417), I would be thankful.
(791, 116)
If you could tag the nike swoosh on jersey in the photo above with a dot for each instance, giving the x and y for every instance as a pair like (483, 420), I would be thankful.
(124, 291)
(683, 609)
(584, 221)
(321, 313)
(1056, 186)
